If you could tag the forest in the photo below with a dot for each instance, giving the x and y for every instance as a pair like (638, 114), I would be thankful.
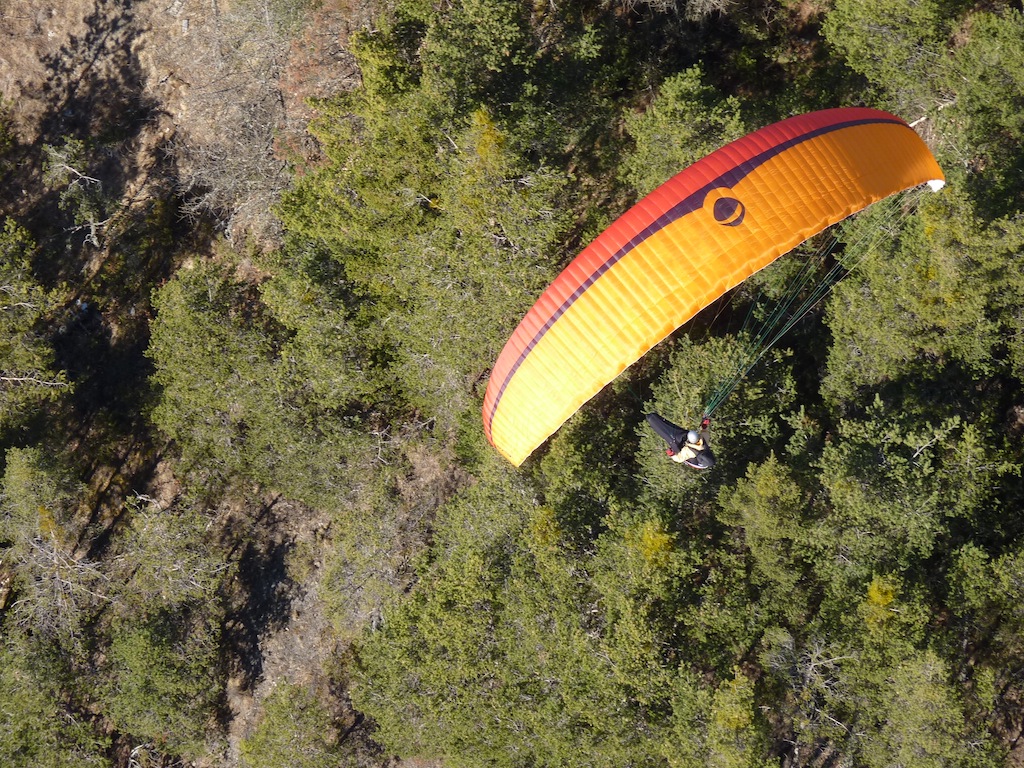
(248, 514)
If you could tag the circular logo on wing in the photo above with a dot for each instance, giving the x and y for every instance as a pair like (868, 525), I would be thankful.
(729, 211)
(726, 209)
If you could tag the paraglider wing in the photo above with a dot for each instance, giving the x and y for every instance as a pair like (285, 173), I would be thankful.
(684, 245)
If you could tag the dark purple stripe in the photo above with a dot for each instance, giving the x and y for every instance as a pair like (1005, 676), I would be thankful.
(687, 205)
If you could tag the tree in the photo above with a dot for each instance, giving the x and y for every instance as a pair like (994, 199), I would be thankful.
(953, 313)
(482, 47)
(37, 724)
(46, 631)
(923, 721)
(899, 48)
(737, 736)
(894, 493)
(499, 655)
(27, 373)
(236, 405)
(987, 76)
(686, 121)
(59, 588)
(767, 507)
(82, 196)
(159, 677)
(297, 730)
(165, 558)
(162, 679)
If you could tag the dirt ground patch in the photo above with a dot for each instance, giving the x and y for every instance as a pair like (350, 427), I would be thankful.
(220, 87)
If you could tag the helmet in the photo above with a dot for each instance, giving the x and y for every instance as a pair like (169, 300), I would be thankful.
(692, 437)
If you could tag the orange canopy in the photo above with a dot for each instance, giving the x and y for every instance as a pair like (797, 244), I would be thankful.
(681, 247)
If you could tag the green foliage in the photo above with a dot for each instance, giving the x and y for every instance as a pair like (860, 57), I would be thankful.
(985, 595)
(956, 309)
(59, 588)
(897, 47)
(806, 682)
(388, 55)
(589, 467)
(989, 586)
(27, 369)
(769, 505)
(207, 352)
(163, 679)
(232, 399)
(468, 278)
(7, 135)
(737, 737)
(426, 669)
(385, 531)
(872, 695)
(686, 737)
(637, 572)
(504, 656)
(37, 727)
(988, 79)
(82, 196)
(40, 497)
(475, 48)
(173, 560)
(922, 720)
(296, 730)
(324, 358)
(895, 491)
(686, 121)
